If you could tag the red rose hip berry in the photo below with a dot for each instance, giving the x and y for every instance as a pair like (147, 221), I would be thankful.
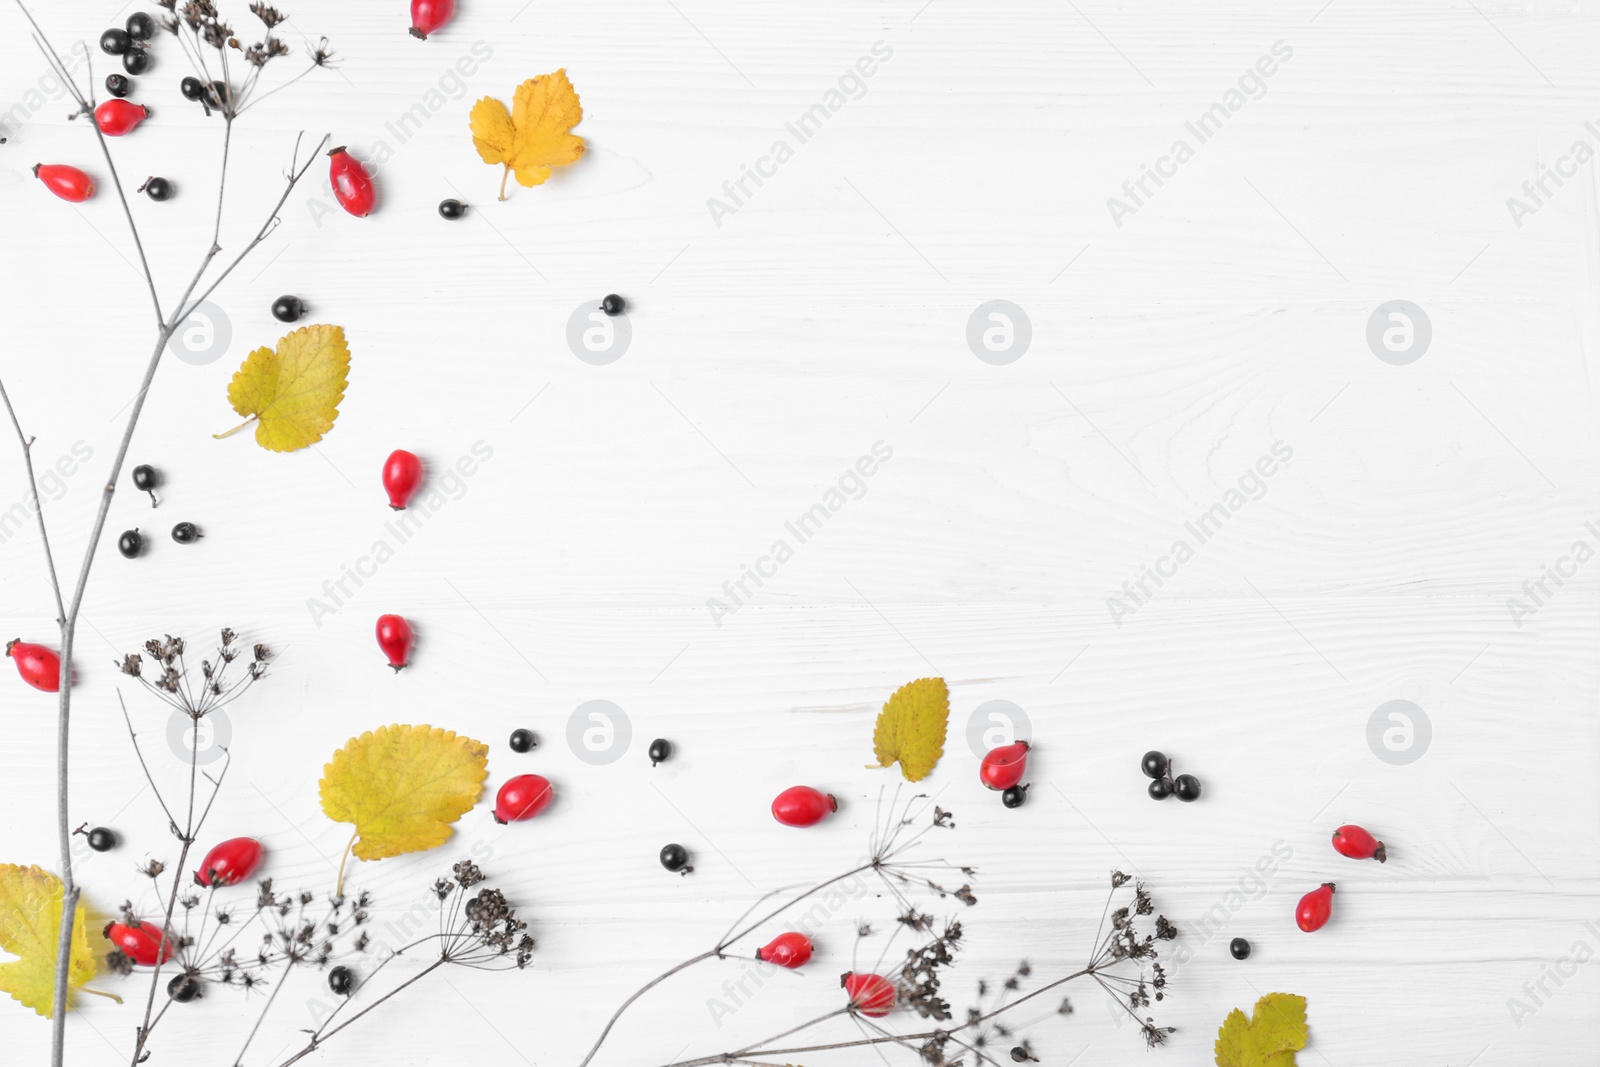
(522, 798)
(1356, 843)
(395, 639)
(69, 183)
(141, 942)
(786, 950)
(229, 863)
(40, 667)
(429, 15)
(352, 185)
(1004, 767)
(402, 474)
(116, 117)
(1315, 908)
(800, 805)
(870, 994)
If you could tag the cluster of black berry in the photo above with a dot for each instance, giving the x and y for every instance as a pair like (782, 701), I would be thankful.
(1156, 766)
(131, 543)
(131, 42)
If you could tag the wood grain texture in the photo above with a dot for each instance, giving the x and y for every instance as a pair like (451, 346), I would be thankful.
(827, 314)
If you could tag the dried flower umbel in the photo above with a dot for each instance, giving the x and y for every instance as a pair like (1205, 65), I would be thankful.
(217, 55)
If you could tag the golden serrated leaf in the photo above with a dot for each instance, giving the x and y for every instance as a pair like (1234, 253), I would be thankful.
(1268, 1038)
(402, 787)
(532, 139)
(292, 394)
(911, 727)
(30, 927)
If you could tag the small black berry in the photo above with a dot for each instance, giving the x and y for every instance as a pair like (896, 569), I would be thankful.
(523, 741)
(136, 60)
(1186, 787)
(288, 308)
(660, 749)
(141, 27)
(1015, 797)
(1020, 1054)
(158, 189)
(102, 840)
(1154, 765)
(217, 95)
(192, 88)
(341, 981)
(184, 988)
(675, 858)
(145, 479)
(186, 533)
(452, 209)
(613, 304)
(1161, 789)
(115, 42)
(1240, 948)
(118, 84)
(130, 544)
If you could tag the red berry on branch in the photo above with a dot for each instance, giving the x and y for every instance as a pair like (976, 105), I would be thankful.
(1004, 767)
(395, 638)
(40, 667)
(429, 15)
(402, 474)
(522, 798)
(1356, 843)
(229, 863)
(141, 942)
(1315, 908)
(800, 805)
(69, 183)
(116, 117)
(352, 185)
(789, 950)
(870, 994)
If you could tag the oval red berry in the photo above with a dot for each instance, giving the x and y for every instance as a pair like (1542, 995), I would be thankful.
(39, 666)
(402, 474)
(870, 994)
(786, 950)
(1004, 767)
(800, 805)
(69, 183)
(352, 185)
(229, 863)
(141, 942)
(522, 798)
(1315, 908)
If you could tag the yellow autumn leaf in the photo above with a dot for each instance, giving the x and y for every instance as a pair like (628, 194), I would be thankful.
(30, 928)
(402, 787)
(911, 727)
(532, 138)
(293, 394)
(1268, 1038)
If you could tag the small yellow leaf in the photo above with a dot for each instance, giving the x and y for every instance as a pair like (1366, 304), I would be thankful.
(911, 727)
(293, 393)
(30, 927)
(1268, 1038)
(533, 138)
(402, 787)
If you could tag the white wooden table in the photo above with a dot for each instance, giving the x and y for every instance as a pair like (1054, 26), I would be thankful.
(779, 333)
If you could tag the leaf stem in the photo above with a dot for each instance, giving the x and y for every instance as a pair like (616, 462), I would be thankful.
(338, 890)
(236, 429)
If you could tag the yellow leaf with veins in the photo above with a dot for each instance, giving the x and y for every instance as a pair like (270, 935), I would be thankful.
(293, 394)
(911, 727)
(402, 787)
(30, 928)
(532, 138)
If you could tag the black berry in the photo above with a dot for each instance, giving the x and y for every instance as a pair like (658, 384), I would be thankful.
(675, 858)
(102, 840)
(613, 304)
(452, 209)
(115, 42)
(183, 988)
(1240, 948)
(217, 94)
(660, 749)
(131, 543)
(186, 533)
(136, 60)
(118, 84)
(192, 88)
(1154, 765)
(288, 308)
(141, 27)
(1015, 797)
(158, 189)
(1186, 787)
(145, 479)
(523, 741)
(1161, 789)
(341, 981)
